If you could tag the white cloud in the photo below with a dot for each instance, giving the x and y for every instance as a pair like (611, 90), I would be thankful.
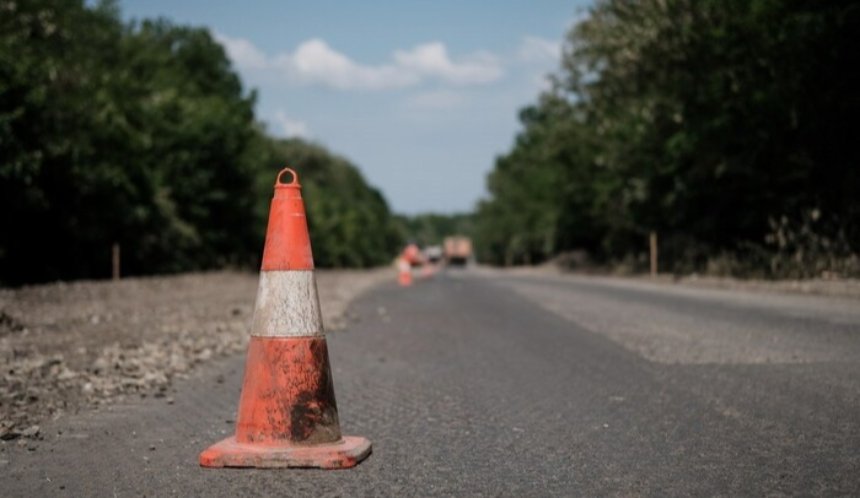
(290, 128)
(431, 59)
(536, 49)
(242, 52)
(315, 62)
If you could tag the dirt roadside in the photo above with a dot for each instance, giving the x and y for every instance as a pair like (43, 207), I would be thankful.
(68, 347)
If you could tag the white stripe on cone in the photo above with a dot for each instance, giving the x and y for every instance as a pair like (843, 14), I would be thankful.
(287, 305)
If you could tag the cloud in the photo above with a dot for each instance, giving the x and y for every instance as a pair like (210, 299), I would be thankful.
(291, 128)
(242, 52)
(314, 62)
(536, 49)
(431, 59)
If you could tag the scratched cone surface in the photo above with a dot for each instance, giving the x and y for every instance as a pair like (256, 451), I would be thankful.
(287, 411)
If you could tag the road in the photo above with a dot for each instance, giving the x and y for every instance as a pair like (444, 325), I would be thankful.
(479, 383)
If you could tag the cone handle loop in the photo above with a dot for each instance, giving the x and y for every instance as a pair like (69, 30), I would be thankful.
(293, 183)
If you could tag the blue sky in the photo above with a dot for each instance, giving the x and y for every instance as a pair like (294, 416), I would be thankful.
(420, 95)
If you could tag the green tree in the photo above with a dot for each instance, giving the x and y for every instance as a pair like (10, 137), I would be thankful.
(724, 125)
(350, 223)
(431, 228)
(142, 134)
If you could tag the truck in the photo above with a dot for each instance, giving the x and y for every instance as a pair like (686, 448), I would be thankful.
(457, 250)
(433, 254)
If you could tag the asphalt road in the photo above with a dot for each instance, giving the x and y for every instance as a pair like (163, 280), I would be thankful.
(486, 384)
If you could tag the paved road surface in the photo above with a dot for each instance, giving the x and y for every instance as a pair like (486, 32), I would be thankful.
(485, 384)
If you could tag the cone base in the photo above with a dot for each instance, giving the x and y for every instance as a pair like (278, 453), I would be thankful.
(346, 453)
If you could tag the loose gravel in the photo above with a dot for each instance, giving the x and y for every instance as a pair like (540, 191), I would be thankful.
(67, 347)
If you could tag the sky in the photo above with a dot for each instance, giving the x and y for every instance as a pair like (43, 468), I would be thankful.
(420, 95)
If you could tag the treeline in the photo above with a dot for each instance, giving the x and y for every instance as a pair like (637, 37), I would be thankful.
(350, 222)
(728, 127)
(142, 135)
(431, 228)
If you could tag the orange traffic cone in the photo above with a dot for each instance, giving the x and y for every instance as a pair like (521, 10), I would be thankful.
(404, 272)
(287, 412)
(412, 254)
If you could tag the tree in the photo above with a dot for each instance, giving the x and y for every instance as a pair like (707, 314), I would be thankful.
(142, 134)
(722, 124)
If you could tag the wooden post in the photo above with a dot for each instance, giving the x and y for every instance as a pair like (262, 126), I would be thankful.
(653, 241)
(115, 260)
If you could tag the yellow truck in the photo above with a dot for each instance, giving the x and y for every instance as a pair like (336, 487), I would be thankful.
(457, 249)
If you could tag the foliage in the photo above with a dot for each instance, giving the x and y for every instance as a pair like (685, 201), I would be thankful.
(431, 228)
(142, 135)
(720, 124)
(350, 222)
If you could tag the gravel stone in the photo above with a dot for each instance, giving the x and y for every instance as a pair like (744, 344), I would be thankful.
(71, 346)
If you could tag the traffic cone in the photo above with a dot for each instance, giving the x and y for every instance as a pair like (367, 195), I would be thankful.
(412, 254)
(287, 412)
(404, 272)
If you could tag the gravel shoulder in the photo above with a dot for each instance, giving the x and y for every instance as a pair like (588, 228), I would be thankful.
(684, 324)
(831, 287)
(67, 347)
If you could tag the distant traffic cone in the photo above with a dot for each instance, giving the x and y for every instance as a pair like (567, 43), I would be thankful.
(287, 412)
(412, 254)
(404, 272)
